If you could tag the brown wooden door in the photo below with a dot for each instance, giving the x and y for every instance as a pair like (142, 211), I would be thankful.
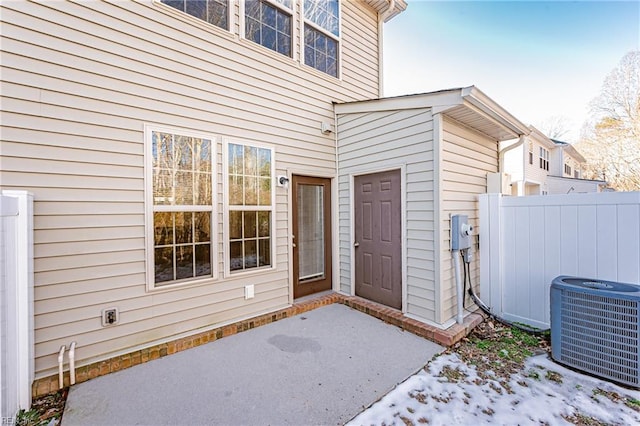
(378, 238)
(311, 235)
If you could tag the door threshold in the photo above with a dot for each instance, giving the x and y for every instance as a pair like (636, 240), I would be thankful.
(312, 296)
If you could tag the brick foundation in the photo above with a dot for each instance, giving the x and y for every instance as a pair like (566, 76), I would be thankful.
(446, 337)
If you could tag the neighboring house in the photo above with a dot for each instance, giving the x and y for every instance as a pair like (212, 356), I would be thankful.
(540, 166)
(152, 139)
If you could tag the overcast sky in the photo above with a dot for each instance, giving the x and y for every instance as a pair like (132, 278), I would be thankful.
(536, 59)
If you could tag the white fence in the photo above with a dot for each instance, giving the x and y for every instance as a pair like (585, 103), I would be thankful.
(525, 242)
(16, 303)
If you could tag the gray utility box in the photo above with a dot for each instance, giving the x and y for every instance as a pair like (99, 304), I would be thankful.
(460, 232)
(595, 327)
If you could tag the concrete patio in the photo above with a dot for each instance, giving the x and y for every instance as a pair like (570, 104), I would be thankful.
(320, 367)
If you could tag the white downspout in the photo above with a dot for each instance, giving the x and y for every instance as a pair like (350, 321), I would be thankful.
(459, 286)
(72, 363)
(63, 348)
(509, 148)
(381, 18)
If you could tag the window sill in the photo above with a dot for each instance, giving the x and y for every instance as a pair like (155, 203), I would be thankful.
(179, 285)
(256, 271)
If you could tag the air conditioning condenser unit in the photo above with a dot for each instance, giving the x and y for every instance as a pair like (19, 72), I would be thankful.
(595, 327)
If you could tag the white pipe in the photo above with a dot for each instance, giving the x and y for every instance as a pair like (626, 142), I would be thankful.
(72, 363)
(61, 366)
(459, 290)
(508, 148)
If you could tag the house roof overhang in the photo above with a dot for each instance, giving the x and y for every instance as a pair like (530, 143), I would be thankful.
(565, 146)
(467, 105)
(388, 7)
(541, 138)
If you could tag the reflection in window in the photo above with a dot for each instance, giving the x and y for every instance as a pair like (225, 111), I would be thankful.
(215, 12)
(321, 35)
(269, 25)
(249, 176)
(183, 204)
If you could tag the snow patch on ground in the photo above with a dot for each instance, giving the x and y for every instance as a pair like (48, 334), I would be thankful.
(451, 392)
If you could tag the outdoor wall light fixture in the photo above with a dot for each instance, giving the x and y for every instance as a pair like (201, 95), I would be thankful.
(282, 181)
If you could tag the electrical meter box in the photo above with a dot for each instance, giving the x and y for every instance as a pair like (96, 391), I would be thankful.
(460, 232)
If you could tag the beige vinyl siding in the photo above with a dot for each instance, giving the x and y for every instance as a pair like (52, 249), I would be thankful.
(79, 82)
(533, 172)
(387, 139)
(467, 157)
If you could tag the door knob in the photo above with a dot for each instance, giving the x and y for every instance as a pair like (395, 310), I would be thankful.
(356, 244)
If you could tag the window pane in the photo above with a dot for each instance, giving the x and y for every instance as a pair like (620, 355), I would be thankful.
(264, 224)
(283, 44)
(249, 224)
(197, 8)
(264, 192)
(269, 37)
(264, 252)
(163, 229)
(184, 228)
(162, 149)
(236, 190)
(236, 261)
(236, 159)
(183, 152)
(202, 155)
(202, 227)
(184, 262)
(217, 13)
(163, 260)
(250, 161)
(253, 30)
(250, 254)
(162, 187)
(250, 191)
(184, 188)
(264, 160)
(203, 260)
(268, 15)
(235, 225)
(202, 191)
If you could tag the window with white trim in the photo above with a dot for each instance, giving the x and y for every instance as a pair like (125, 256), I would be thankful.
(250, 207)
(322, 35)
(180, 192)
(530, 152)
(567, 169)
(544, 159)
(269, 23)
(215, 12)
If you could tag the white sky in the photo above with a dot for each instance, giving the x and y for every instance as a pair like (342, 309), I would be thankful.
(536, 59)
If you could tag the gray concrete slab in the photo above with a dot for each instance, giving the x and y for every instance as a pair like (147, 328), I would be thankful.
(318, 368)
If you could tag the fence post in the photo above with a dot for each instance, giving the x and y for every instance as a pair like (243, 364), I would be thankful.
(491, 251)
(18, 349)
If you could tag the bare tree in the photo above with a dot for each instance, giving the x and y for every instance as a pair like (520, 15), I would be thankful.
(555, 126)
(611, 138)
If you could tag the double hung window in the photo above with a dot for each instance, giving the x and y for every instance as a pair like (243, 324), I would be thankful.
(544, 159)
(250, 207)
(322, 35)
(181, 200)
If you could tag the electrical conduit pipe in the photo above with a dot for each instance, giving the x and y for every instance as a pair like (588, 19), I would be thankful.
(72, 363)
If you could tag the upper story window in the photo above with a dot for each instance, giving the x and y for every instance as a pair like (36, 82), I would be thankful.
(215, 12)
(322, 35)
(269, 23)
(544, 159)
(251, 207)
(576, 174)
(530, 152)
(180, 207)
(567, 169)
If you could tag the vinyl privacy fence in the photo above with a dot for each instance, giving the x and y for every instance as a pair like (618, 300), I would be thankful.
(16, 303)
(525, 242)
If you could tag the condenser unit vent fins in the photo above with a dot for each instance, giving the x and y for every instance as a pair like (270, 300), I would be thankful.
(594, 328)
